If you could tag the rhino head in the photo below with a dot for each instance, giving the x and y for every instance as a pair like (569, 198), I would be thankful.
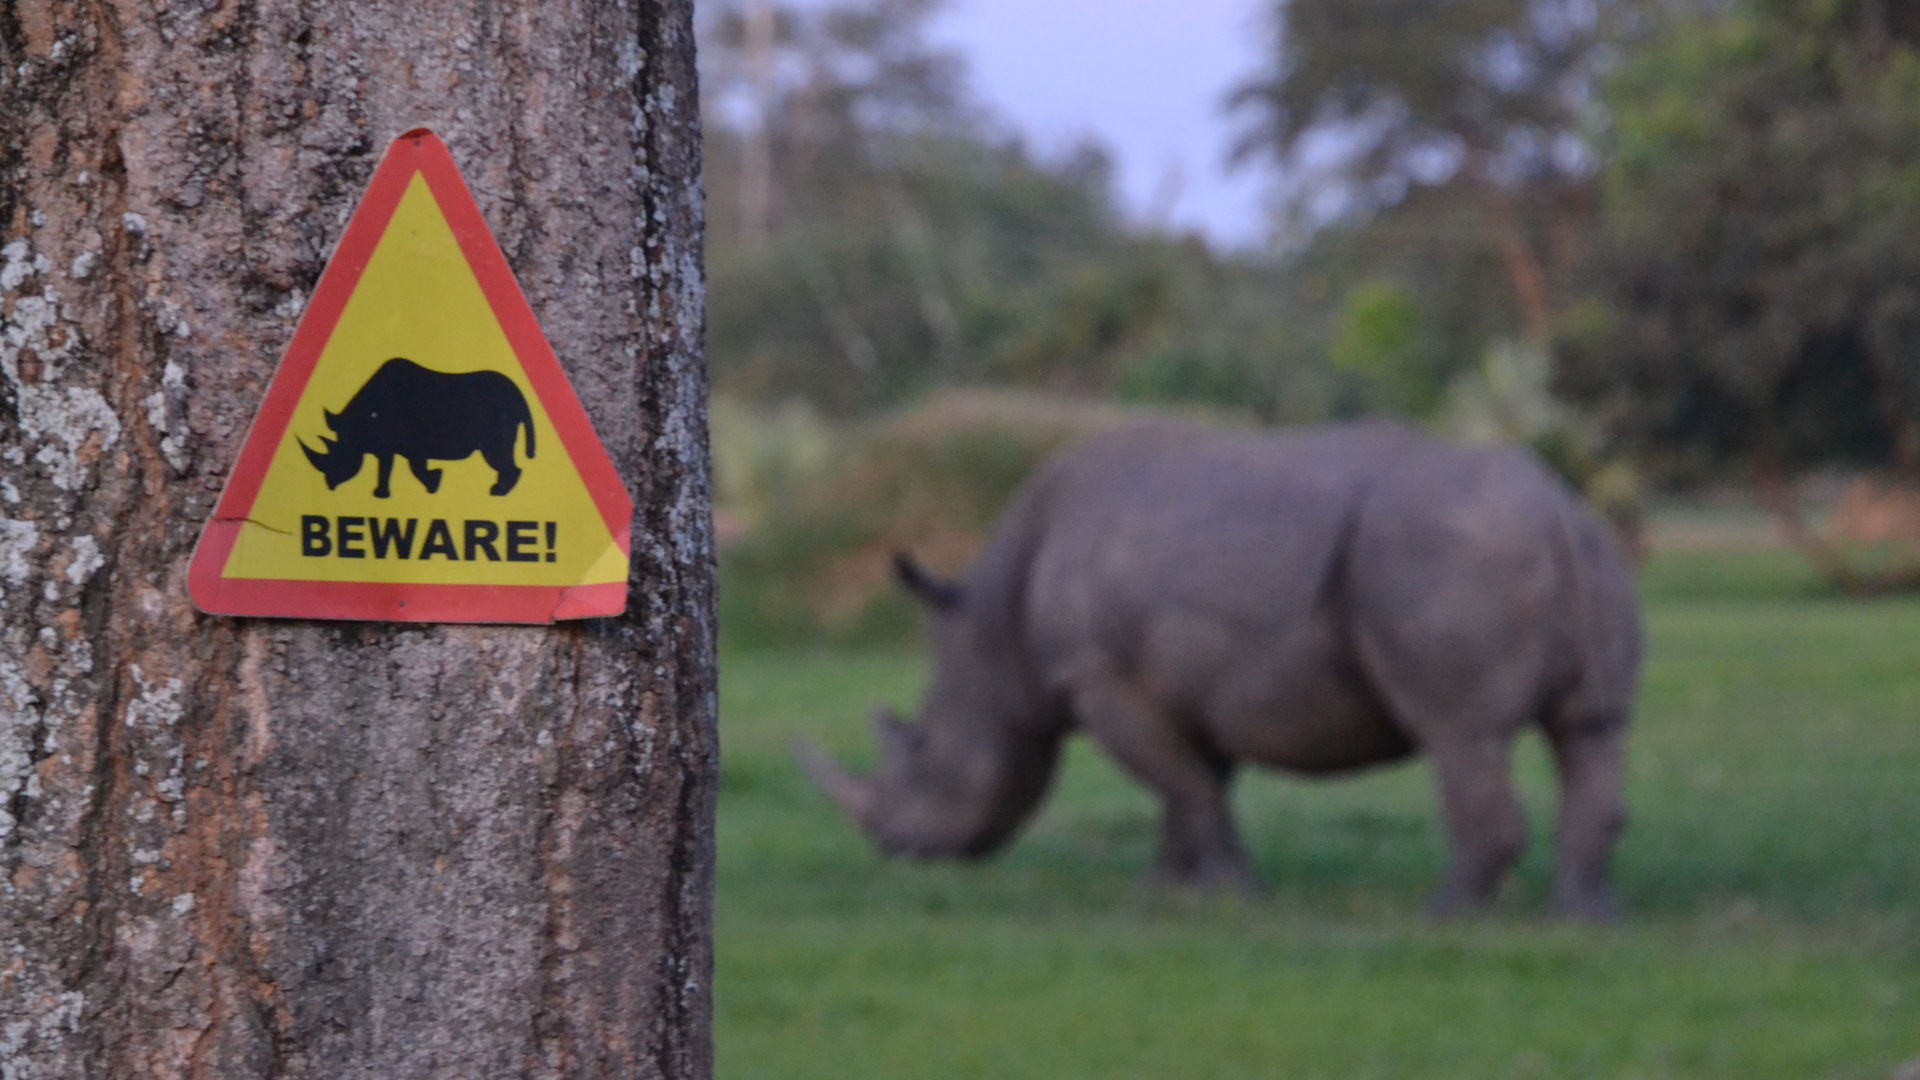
(335, 461)
(962, 779)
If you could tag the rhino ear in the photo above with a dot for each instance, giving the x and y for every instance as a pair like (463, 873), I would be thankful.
(939, 595)
(897, 737)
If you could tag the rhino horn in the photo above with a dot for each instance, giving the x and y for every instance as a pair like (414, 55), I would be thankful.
(332, 418)
(853, 795)
(318, 458)
(918, 580)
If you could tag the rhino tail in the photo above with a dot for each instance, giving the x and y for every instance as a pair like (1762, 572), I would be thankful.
(526, 421)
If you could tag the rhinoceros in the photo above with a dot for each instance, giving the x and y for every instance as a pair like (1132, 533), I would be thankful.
(1315, 601)
(408, 411)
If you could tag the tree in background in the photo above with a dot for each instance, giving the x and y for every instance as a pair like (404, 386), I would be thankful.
(1435, 167)
(876, 236)
(236, 848)
(1756, 297)
(1481, 104)
(798, 97)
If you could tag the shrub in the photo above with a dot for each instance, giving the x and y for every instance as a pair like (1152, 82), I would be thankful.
(811, 561)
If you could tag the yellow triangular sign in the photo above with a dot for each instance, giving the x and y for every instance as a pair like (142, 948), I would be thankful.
(420, 454)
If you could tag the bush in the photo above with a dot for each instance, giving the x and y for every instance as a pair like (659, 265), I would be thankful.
(812, 562)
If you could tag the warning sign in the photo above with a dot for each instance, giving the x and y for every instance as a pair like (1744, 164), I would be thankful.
(420, 454)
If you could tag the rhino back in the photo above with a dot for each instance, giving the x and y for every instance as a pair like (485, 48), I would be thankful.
(1197, 565)
(1241, 526)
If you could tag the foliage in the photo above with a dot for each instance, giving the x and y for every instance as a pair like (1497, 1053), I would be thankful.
(1480, 106)
(1380, 336)
(876, 238)
(761, 455)
(815, 566)
(1507, 398)
(1757, 290)
(903, 244)
(1768, 872)
(1363, 100)
(1756, 295)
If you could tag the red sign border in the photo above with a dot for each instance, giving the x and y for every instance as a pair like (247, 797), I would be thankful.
(416, 152)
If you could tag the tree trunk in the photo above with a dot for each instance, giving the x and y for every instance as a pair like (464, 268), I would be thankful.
(1526, 276)
(258, 848)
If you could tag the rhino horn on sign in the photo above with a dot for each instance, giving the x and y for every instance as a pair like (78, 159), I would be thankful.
(319, 458)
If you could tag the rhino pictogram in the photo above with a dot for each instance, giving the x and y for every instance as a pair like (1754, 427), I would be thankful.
(413, 412)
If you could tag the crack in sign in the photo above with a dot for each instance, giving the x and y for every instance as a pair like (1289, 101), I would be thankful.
(256, 521)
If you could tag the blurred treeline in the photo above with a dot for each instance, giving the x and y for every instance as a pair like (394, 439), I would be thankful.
(874, 236)
(1663, 242)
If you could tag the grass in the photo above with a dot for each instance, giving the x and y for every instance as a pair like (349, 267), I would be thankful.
(1771, 878)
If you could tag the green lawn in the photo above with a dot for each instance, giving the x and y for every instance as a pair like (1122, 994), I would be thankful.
(1771, 879)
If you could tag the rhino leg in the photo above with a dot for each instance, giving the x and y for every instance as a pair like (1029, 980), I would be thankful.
(1591, 817)
(507, 470)
(1485, 832)
(381, 487)
(1199, 845)
(429, 478)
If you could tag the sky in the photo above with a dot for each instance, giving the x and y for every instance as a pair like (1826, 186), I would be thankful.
(1144, 77)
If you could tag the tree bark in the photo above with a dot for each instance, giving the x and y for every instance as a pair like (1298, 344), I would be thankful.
(258, 848)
